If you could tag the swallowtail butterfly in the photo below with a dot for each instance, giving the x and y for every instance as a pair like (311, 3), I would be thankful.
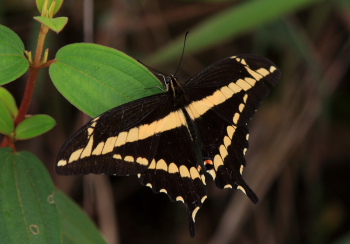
(172, 139)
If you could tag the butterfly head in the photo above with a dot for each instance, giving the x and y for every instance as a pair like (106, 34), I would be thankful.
(169, 81)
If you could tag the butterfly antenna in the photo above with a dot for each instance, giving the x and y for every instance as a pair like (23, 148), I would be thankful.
(154, 71)
(183, 51)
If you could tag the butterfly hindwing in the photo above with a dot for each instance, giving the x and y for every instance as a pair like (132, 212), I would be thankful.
(229, 91)
(176, 170)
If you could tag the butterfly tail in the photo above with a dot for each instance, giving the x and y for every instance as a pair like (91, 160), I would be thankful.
(248, 191)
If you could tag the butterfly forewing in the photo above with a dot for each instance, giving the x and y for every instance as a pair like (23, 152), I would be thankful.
(168, 138)
(116, 142)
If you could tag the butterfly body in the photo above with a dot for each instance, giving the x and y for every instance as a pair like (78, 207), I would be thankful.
(170, 140)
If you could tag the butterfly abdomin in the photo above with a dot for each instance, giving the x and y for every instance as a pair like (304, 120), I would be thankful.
(172, 139)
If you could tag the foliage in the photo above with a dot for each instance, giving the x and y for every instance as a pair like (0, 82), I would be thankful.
(95, 78)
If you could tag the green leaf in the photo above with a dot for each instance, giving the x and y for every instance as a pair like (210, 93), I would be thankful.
(34, 126)
(9, 101)
(227, 25)
(7, 124)
(13, 63)
(40, 3)
(55, 24)
(95, 78)
(28, 212)
(77, 227)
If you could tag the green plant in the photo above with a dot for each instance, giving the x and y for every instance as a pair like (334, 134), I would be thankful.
(32, 209)
(83, 73)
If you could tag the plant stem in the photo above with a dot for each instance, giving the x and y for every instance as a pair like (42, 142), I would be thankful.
(29, 91)
(33, 76)
(8, 142)
(4, 142)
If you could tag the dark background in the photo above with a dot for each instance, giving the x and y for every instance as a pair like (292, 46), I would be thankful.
(299, 157)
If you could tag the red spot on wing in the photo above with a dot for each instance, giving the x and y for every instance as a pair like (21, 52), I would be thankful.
(208, 161)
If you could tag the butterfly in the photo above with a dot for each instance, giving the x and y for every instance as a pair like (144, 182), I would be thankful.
(172, 140)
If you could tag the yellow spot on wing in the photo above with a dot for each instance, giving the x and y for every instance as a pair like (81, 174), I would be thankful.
(217, 162)
(249, 80)
(98, 149)
(133, 135)
(194, 173)
(198, 108)
(117, 156)
(95, 120)
(207, 103)
(121, 139)
(227, 141)
(75, 155)
(129, 159)
(184, 171)
(217, 98)
(173, 168)
(203, 199)
(176, 119)
(212, 173)
(161, 165)
(241, 107)
(62, 162)
(181, 117)
(228, 186)
(253, 73)
(241, 169)
(163, 190)
(243, 62)
(272, 69)
(203, 179)
(90, 131)
(109, 145)
(223, 152)
(180, 198)
(152, 165)
(230, 131)
(243, 84)
(88, 149)
(159, 124)
(194, 213)
(245, 98)
(234, 87)
(263, 72)
(142, 161)
(236, 118)
(227, 92)
(171, 121)
(147, 130)
(242, 189)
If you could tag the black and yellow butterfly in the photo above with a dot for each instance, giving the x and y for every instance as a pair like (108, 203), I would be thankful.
(171, 139)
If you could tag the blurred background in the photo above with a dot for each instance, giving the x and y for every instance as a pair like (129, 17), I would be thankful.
(299, 157)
